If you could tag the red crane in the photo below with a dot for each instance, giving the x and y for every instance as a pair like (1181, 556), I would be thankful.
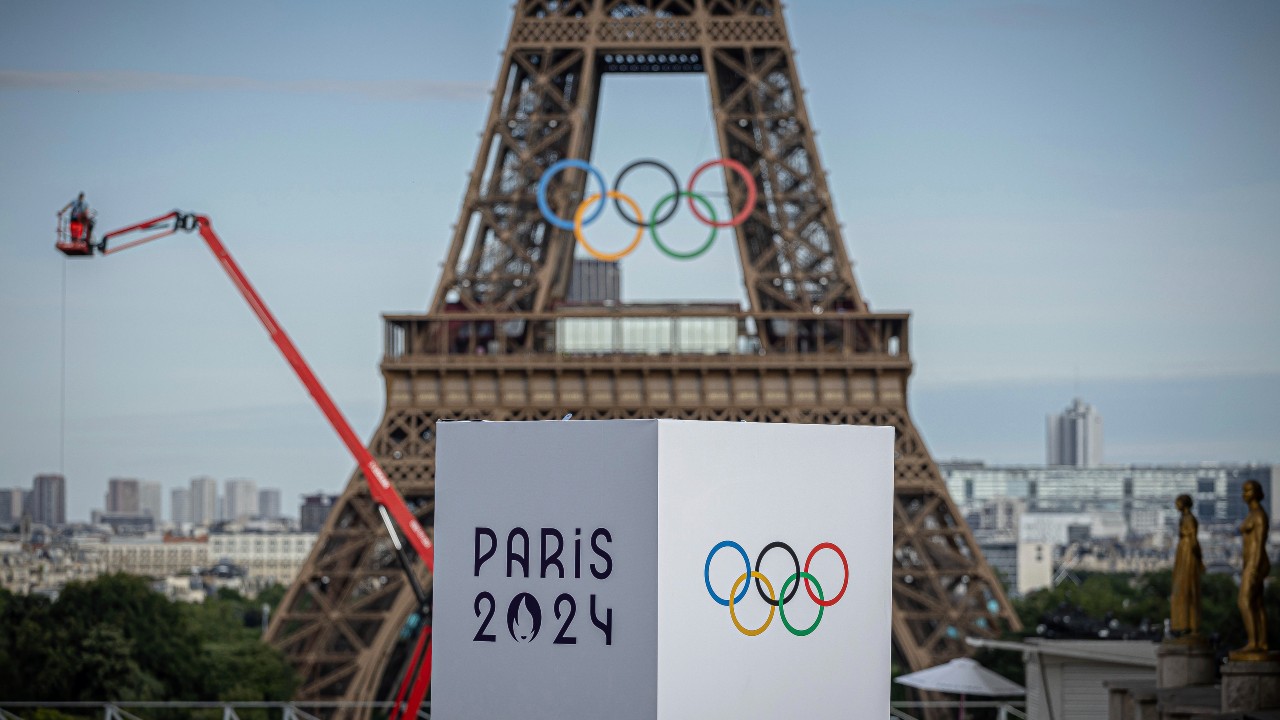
(75, 241)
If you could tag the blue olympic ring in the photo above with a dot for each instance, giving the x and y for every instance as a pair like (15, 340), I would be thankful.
(706, 572)
(545, 207)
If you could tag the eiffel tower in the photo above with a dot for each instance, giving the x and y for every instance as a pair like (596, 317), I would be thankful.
(498, 342)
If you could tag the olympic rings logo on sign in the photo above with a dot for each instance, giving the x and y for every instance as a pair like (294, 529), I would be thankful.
(777, 601)
(637, 219)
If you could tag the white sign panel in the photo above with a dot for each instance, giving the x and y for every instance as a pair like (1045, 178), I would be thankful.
(632, 569)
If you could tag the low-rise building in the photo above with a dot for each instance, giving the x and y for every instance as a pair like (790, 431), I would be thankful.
(27, 570)
(1141, 496)
(154, 556)
(269, 557)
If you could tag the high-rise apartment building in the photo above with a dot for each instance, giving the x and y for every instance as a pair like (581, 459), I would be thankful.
(180, 506)
(204, 500)
(151, 500)
(49, 499)
(11, 505)
(122, 496)
(269, 503)
(242, 499)
(315, 510)
(1074, 436)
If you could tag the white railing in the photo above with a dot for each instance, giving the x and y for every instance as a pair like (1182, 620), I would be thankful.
(138, 710)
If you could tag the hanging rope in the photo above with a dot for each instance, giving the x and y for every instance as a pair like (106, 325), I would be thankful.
(62, 378)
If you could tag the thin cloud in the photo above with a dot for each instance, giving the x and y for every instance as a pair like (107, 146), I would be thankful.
(124, 81)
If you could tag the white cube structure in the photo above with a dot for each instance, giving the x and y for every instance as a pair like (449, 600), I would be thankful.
(632, 569)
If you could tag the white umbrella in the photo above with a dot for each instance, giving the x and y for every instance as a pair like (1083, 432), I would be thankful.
(964, 677)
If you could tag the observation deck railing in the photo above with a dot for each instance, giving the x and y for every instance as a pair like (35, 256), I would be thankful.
(645, 332)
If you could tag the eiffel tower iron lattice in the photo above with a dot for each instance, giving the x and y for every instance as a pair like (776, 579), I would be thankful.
(498, 343)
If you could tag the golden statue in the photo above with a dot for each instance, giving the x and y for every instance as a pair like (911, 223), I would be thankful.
(1188, 566)
(1253, 574)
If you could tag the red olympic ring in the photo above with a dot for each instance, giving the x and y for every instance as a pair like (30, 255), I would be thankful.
(843, 560)
(742, 216)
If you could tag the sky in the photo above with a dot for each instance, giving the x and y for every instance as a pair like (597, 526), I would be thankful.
(1071, 198)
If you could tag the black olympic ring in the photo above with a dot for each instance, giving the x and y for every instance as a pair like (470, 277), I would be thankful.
(617, 185)
(794, 559)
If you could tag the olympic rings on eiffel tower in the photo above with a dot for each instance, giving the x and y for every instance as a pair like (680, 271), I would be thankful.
(636, 217)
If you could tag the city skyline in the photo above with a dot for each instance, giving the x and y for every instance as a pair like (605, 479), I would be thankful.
(250, 499)
(132, 496)
(1036, 217)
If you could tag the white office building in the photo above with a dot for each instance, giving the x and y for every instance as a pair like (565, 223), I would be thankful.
(241, 499)
(1074, 436)
(1142, 495)
(273, 557)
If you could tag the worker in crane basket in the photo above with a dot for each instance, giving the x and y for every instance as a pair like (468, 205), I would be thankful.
(81, 219)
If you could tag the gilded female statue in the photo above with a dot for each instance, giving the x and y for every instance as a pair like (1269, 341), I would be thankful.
(1188, 566)
(1254, 572)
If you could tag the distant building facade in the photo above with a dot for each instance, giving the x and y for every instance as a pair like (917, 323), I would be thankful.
(204, 500)
(180, 506)
(269, 503)
(49, 499)
(125, 523)
(1034, 567)
(241, 499)
(151, 500)
(1039, 524)
(314, 511)
(1074, 436)
(12, 505)
(261, 558)
(272, 557)
(1141, 495)
(154, 557)
(122, 496)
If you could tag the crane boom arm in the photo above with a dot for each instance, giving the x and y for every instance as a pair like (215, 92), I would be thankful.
(380, 486)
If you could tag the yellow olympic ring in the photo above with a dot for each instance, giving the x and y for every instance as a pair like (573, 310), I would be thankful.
(772, 607)
(577, 230)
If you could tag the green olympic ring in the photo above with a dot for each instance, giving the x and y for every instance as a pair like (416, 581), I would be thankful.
(675, 197)
(782, 607)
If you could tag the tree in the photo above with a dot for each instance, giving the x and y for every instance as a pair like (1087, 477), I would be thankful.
(107, 668)
(115, 639)
(163, 646)
(1137, 599)
(239, 665)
